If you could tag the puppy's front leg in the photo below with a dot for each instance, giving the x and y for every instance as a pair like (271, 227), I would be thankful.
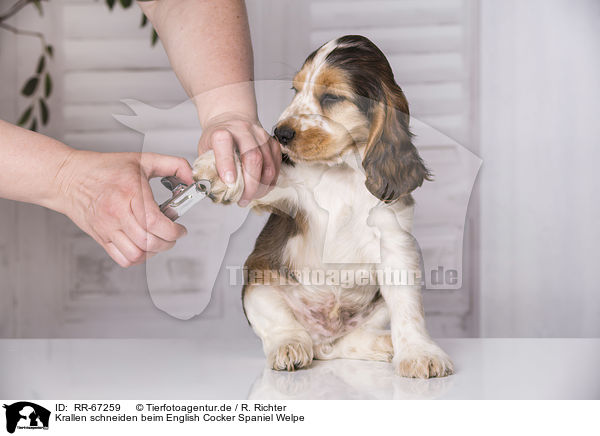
(286, 343)
(206, 168)
(282, 197)
(415, 353)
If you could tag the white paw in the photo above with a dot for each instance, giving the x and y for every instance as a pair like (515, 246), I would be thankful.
(418, 361)
(205, 168)
(292, 354)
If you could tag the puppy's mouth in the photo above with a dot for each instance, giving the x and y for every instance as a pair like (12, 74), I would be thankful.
(291, 157)
(285, 154)
(286, 159)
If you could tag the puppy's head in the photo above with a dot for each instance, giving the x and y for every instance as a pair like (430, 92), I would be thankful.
(346, 97)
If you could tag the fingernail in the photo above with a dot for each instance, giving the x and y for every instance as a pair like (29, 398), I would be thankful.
(243, 203)
(229, 179)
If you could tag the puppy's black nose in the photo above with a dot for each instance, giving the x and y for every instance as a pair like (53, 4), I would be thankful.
(284, 134)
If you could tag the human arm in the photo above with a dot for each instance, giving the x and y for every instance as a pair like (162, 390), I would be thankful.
(209, 47)
(106, 194)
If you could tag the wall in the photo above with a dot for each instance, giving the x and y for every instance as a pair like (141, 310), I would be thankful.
(540, 101)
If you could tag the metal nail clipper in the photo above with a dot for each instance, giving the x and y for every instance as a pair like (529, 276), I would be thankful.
(183, 196)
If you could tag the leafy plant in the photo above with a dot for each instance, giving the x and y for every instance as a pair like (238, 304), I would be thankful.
(38, 87)
(125, 4)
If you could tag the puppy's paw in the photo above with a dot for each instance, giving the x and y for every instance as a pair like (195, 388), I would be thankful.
(220, 192)
(423, 362)
(291, 356)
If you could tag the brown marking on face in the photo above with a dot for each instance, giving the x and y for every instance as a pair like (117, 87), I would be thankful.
(315, 143)
(299, 79)
(312, 144)
(330, 76)
(331, 80)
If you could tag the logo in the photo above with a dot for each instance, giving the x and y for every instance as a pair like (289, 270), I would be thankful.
(26, 415)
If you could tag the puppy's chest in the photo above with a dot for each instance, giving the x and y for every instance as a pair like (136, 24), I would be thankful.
(337, 229)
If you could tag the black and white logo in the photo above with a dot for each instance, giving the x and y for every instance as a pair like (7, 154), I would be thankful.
(26, 415)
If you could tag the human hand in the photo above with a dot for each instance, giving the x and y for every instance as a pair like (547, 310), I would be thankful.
(260, 154)
(108, 196)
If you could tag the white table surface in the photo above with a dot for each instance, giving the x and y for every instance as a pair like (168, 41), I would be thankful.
(186, 369)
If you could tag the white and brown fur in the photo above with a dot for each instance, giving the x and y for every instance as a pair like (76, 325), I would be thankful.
(349, 119)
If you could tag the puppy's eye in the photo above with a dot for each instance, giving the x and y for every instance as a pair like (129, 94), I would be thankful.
(329, 99)
(294, 89)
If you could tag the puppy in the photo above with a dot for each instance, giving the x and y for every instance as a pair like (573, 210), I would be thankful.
(342, 204)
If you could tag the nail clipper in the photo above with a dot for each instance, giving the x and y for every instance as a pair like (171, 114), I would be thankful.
(183, 196)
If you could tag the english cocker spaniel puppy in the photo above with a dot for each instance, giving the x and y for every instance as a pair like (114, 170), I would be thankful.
(336, 273)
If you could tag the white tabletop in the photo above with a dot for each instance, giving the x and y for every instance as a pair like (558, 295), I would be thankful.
(186, 369)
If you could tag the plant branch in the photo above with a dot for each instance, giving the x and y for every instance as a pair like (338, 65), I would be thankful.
(20, 4)
(24, 32)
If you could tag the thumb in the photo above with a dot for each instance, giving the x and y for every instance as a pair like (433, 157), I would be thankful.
(161, 165)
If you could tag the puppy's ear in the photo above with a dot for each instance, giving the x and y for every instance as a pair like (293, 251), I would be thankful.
(392, 164)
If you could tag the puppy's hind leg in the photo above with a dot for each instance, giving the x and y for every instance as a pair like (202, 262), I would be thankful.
(370, 341)
(362, 344)
(286, 343)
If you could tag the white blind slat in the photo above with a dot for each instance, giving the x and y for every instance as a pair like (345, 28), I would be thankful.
(111, 54)
(113, 86)
(326, 15)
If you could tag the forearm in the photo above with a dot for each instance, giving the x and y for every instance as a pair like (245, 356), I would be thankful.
(31, 165)
(208, 45)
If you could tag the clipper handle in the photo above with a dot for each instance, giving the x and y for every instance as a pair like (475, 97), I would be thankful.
(183, 196)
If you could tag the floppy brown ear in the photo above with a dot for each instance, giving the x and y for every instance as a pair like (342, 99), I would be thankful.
(392, 164)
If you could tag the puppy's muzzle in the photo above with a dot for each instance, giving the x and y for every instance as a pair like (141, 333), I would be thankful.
(284, 134)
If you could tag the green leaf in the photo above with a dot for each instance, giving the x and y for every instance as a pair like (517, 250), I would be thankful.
(38, 6)
(126, 3)
(41, 64)
(110, 4)
(50, 50)
(44, 112)
(144, 20)
(33, 125)
(47, 85)
(154, 37)
(30, 86)
(25, 116)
